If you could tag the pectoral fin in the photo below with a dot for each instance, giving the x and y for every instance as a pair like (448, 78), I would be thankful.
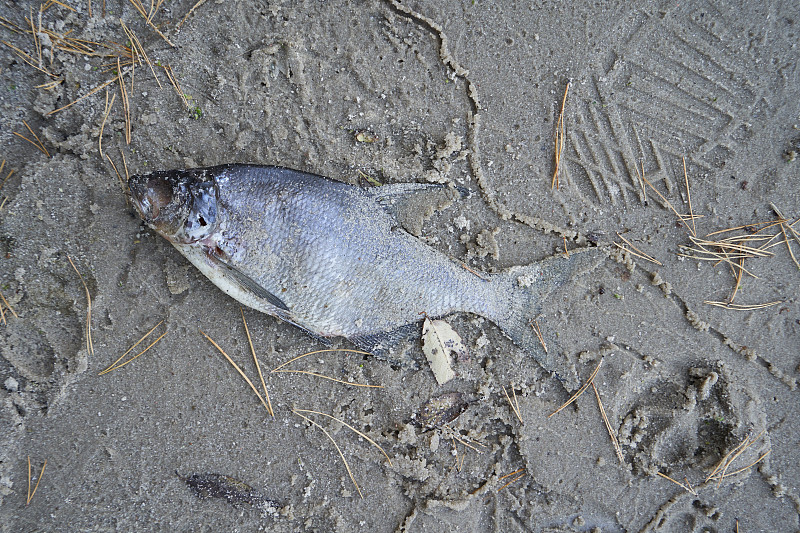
(248, 284)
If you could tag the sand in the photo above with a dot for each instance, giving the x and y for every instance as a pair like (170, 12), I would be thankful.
(455, 92)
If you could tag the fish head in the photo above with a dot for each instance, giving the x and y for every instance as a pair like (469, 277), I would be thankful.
(180, 205)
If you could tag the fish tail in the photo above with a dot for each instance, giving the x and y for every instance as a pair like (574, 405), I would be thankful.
(522, 293)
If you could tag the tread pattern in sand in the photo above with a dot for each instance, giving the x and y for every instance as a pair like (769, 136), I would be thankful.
(683, 83)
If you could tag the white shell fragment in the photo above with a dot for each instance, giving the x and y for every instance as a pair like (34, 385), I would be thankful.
(438, 342)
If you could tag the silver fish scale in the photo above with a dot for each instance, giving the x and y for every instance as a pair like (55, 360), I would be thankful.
(335, 257)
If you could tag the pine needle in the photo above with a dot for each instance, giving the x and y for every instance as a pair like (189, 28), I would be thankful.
(149, 17)
(610, 430)
(742, 307)
(514, 405)
(666, 202)
(538, 331)
(31, 494)
(635, 251)
(89, 344)
(173, 80)
(114, 366)
(258, 365)
(103, 124)
(198, 4)
(351, 428)
(560, 139)
(689, 196)
(687, 488)
(316, 352)
(720, 470)
(96, 89)
(116, 171)
(323, 376)
(125, 104)
(512, 481)
(239, 370)
(347, 466)
(580, 391)
(8, 305)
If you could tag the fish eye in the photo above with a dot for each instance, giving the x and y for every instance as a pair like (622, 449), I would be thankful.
(202, 216)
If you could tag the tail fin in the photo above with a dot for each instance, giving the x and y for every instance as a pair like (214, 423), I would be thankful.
(522, 292)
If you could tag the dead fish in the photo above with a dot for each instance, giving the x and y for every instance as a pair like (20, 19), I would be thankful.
(331, 258)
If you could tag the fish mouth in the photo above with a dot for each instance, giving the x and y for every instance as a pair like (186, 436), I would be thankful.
(159, 202)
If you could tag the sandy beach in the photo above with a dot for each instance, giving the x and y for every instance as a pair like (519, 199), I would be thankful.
(663, 134)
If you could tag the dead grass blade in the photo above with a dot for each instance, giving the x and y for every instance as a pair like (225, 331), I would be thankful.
(89, 344)
(31, 494)
(351, 428)
(515, 404)
(239, 370)
(580, 391)
(560, 139)
(688, 488)
(114, 366)
(610, 430)
(258, 365)
(347, 466)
